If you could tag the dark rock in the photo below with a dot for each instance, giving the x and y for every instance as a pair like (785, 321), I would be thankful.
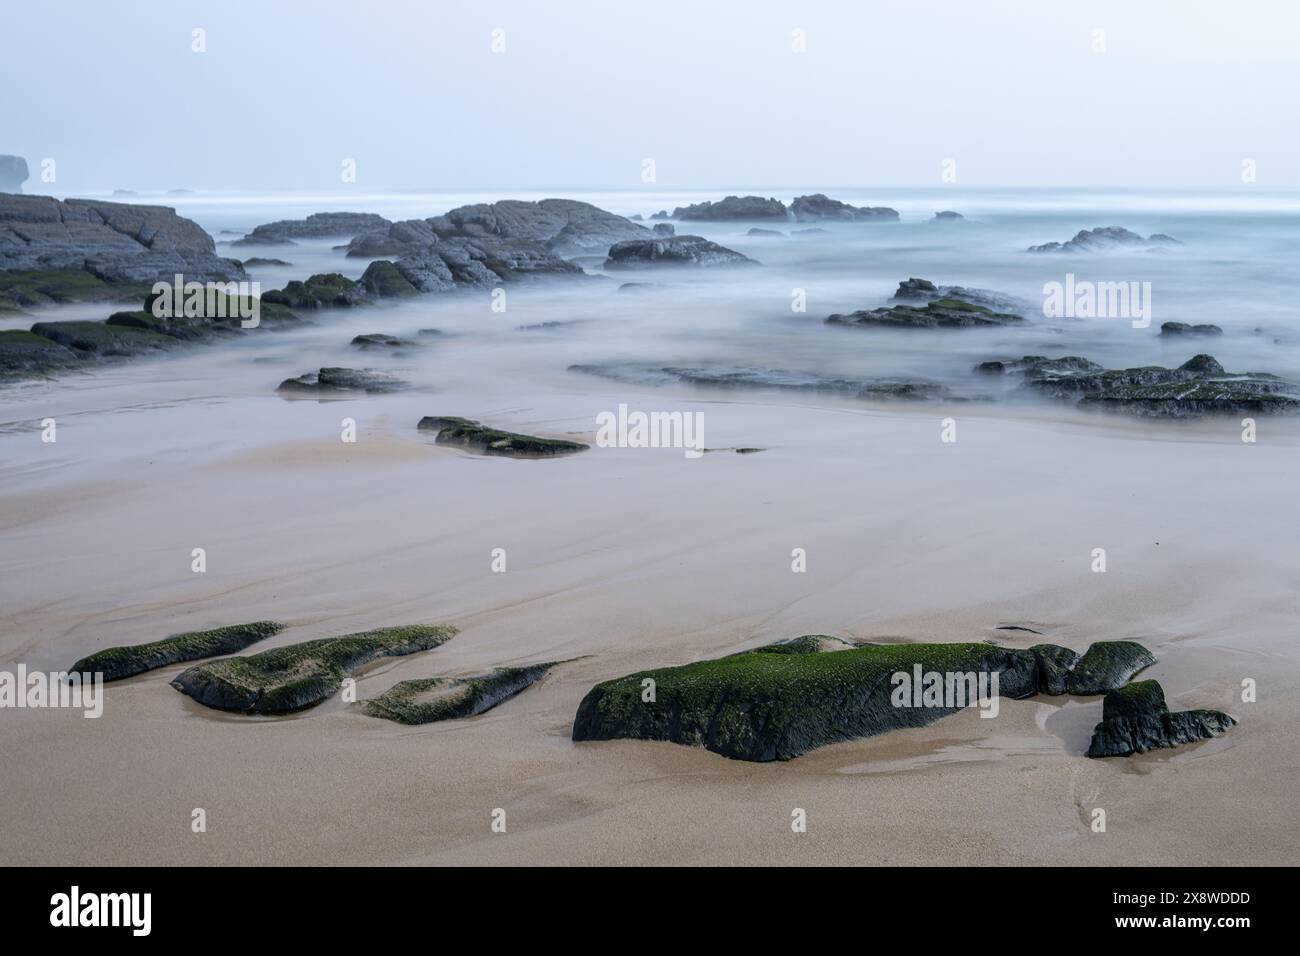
(733, 209)
(335, 381)
(937, 314)
(381, 340)
(470, 435)
(664, 229)
(566, 227)
(321, 225)
(1105, 666)
(923, 290)
(317, 292)
(286, 679)
(13, 173)
(778, 702)
(25, 355)
(262, 261)
(1106, 238)
(31, 288)
(673, 251)
(661, 214)
(432, 699)
(769, 233)
(818, 208)
(1197, 387)
(115, 663)
(948, 215)
(1184, 328)
(102, 339)
(1135, 719)
(116, 243)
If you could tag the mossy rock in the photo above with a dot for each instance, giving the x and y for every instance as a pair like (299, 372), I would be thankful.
(1106, 666)
(464, 433)
(27, 355)
(324, 290)
(115, 663)
(948, 313)
(341, 381)
(1135, 719)
(448, 698)
(383, 281)
(27, 288)
(286, 679)
(102, 339)
(783, 700)
(381, 340)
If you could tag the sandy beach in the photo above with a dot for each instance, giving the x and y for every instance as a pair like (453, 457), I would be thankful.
(621, 559)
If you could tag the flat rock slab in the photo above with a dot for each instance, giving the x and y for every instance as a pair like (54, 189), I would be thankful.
(433, 699)
(115, 663)
(287, 679)
(472, 436)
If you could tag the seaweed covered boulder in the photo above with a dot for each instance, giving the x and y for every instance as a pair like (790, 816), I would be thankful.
(102, 339)
(1104, 666)
(115, 663)
(472, 436)
(27, 355)
(317, 292)
(781, 701)
(936, 314)
(432, 699)
(285, 679)
(923, 290)
(1135, 719)
(1199, 386)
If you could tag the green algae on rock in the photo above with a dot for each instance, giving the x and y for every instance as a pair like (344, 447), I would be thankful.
(115, 663)
(1135, 719)
(285, 679)
(937, 314)
(784, 700)
(432, 699)
(470, 435)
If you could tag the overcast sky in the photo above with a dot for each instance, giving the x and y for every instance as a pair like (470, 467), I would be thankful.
(711, 90)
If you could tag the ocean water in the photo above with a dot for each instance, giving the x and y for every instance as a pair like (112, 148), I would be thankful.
(1237, 268)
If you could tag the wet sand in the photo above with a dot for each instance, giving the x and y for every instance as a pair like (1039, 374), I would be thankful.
(631, 558)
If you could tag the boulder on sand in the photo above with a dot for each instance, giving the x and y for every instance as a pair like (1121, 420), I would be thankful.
(470, 435)
(1135, 719)
(431, 699)
(115, 663)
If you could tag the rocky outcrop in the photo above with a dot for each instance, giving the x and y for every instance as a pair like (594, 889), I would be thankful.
(286, 679)
(778, 703)
(937, 314)
(320, 291)
(747, 377)
(1135, 719)
(337, 382)
(431, 699)
(26, 355)
(694, 251)
(482, 440)
(13, 173)
(320, 225)
(820, 208)
(566, 227)
(1199, 386)
(1184, 328)
(1108, 238)
(733, 209)
(115, 663)
(115, 243)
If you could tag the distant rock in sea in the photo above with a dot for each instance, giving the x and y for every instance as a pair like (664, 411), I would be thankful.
(125, 193)
(947, 215)
(320, 225)
(948, 313)
(733, 209)
(693, 251)
(665, 229)
(766, 233)
(1183, 328)
(261, 262)
(13, 173)
(1107, 238)
(819, 208)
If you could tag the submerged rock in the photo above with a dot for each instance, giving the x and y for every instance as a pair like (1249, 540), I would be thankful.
(1135, 719)
(1106, 238)
(381, 340)
(1197, 387)
(673, 251)
(947, 215)
(818, 208)
(923, 290)
(936, 314)
(339, 381)
(470, 435)
(740, 376)
(320, 225)
(115, 663)
(291, 678)
(449, 698)
(781, 701)
(758, 233)
(732, 208)
(1183, 328)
